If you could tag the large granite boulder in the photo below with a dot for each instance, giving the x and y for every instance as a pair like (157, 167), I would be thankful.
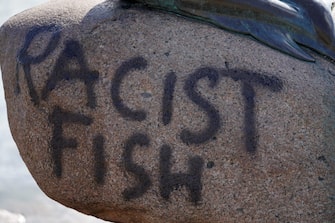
(136, 115)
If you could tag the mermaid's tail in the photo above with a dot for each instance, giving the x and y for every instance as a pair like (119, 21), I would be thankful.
(281, 24)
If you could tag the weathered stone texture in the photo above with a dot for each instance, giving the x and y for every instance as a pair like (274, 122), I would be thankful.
(135, 115)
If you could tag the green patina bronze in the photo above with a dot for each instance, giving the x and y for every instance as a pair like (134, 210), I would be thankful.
(281, 24)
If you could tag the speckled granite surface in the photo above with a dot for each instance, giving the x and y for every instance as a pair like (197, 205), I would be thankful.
(134, 115)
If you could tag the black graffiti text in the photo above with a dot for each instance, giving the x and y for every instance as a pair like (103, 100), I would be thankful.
(73, 53)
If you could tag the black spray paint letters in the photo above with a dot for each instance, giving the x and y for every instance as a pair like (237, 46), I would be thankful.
(213, 115)
(100, 166)
(59, 142)
(249, 80)
(143, 178)
(167, 103)
(171, 181)
(71, 65)
(168, 181)
(27, 60)
(73, 52)
(137, 63)
(62, 71)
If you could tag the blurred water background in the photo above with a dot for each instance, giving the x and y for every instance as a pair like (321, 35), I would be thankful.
(18, 191)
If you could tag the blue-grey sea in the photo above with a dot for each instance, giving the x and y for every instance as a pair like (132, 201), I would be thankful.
(18, 190)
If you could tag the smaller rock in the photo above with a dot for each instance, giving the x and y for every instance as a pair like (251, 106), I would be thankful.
(8, 217)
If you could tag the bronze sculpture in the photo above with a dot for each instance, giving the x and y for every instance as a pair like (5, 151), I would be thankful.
(281, 24)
